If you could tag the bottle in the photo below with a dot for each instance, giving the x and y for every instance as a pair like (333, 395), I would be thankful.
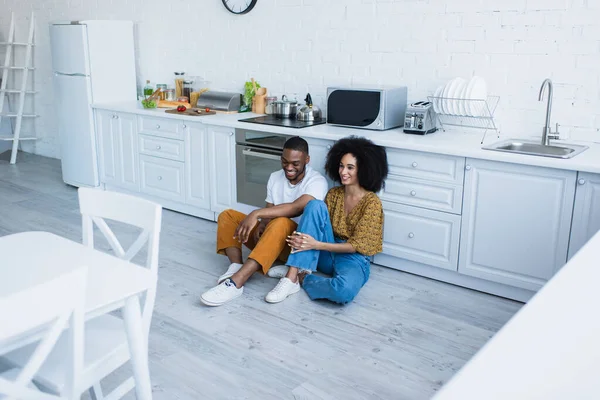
(148, 89)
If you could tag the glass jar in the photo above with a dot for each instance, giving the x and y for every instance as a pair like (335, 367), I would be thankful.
(179, 83)
(170, 94)
(163, 88)
(269, 105)
(188, 87)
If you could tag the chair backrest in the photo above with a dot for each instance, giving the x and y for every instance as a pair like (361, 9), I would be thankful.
(44, 311)
(96, 205)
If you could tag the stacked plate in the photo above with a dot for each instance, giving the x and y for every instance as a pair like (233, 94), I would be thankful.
(462, 97)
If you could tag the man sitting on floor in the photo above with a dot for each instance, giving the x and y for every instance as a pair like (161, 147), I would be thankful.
(265, 230)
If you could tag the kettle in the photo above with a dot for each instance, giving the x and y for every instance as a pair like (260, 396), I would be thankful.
(308, 112)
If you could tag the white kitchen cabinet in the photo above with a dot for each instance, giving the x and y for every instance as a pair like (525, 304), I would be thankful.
(424, 236)
(318, 149)
(221, 158)
(516, 222)
(586, 212)
(426, 166)
(196, 167)
(162, 178)
(423, 193)
(118, 149)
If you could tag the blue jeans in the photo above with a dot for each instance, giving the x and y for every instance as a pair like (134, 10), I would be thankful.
(349, 271)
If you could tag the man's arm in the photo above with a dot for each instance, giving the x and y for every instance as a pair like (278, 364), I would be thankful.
(288, 210)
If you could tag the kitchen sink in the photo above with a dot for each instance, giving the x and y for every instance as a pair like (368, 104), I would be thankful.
(536, 148)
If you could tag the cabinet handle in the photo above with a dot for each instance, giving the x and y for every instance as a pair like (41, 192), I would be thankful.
(413, 193)
(157, 126)
(114, 116)
(184, 126)
(328, 147)
(468, 167)
(159, 178)
(414, 165)
(230, 133)
(411, 235)
(158, 147)
(581, 181)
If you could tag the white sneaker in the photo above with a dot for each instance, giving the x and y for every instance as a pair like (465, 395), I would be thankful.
(278, 271)
(221, 294)
(284, 288)
(233, 268)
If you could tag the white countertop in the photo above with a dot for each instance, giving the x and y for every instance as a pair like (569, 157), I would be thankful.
(549, 349)
(458, 143)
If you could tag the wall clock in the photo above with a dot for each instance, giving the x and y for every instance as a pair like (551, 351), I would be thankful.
(239, 6)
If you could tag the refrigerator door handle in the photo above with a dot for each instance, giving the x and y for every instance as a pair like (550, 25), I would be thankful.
(61, 74)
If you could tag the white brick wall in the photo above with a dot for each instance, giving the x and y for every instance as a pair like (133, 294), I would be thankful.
(291, 46)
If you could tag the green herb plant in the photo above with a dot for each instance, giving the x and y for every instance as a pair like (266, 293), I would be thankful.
(249, 92)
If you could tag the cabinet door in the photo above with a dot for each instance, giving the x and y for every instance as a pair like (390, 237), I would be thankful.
(425, 236)
(128, 161)
(162, 178)
(318, 149)
(221, 156)
(107, 146)
(197, 176)
(516, 222)
(586, 212)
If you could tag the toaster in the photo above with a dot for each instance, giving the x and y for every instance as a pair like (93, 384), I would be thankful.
(420, 118)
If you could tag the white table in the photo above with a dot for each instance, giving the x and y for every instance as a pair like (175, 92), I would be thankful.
(30, 258)
(550, 349)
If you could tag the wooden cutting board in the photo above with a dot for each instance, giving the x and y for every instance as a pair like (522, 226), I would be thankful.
(196, 112)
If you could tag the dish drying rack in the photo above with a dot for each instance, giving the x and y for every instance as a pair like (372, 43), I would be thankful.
(481, 113)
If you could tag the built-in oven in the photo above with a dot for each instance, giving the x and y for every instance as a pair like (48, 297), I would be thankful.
(258, 154)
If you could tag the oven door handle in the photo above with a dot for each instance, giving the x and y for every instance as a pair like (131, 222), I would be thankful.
(255, 153)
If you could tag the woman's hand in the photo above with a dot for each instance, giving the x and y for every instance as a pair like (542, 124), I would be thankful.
(302, 241)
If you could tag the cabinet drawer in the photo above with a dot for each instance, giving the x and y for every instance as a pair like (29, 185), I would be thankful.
(161, 147)
(162, 178)
(428, 237)
(426, 194)
(416, 164)
(163, 127)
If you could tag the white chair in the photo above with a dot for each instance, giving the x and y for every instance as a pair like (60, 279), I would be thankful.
(40, 314)
(106, 347)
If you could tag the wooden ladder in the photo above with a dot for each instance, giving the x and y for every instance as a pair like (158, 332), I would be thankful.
(22, 90)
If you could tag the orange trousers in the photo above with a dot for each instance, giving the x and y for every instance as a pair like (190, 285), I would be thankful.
(270, 247)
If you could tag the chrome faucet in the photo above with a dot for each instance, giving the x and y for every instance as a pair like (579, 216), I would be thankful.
(547, 134)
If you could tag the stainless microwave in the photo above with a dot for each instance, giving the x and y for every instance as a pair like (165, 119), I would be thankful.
(378, 108)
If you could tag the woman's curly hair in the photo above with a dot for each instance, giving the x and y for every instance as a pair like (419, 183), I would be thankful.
(371, 161)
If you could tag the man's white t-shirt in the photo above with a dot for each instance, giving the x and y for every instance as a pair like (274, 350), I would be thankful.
(281, 191)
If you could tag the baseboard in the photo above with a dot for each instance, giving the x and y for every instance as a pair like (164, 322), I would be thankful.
(454, 278)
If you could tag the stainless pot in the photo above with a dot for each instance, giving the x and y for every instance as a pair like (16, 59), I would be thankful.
(285, 108)
(308, 112)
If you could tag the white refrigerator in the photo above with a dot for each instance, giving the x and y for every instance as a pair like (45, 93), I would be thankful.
(92, 62)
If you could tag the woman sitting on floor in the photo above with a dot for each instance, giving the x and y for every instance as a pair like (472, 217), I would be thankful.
(338, 236)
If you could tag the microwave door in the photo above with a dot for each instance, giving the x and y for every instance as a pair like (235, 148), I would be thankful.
(355, 108)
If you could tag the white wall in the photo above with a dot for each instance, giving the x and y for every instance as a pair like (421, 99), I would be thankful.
(295, 46)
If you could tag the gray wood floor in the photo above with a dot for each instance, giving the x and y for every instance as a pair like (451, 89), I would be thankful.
(402, 338)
